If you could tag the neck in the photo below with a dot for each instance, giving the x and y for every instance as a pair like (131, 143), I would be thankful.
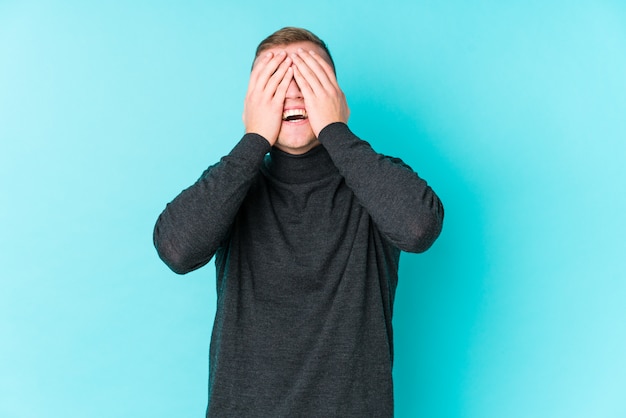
(312, 165)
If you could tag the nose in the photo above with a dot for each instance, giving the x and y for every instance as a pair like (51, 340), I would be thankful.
(293, 91)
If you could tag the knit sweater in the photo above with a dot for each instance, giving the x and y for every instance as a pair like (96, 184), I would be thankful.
(306, 252)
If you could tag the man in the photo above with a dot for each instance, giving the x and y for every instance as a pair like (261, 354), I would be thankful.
(306, 241)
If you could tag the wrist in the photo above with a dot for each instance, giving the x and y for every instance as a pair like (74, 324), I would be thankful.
(270, 138)
(332, 130)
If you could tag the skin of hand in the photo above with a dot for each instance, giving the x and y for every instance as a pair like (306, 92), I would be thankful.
(263, 105)
(325, 102)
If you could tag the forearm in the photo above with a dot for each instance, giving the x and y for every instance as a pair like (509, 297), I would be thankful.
(192, 226)
(402, 205)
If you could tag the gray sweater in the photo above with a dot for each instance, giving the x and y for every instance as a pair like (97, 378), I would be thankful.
(306, 252)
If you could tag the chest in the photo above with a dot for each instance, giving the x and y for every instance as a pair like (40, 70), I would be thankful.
(304, 225)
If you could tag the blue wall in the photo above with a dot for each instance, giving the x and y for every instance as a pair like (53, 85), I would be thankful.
(515, 112)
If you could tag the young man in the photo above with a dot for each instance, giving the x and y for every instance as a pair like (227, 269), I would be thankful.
(306, 241)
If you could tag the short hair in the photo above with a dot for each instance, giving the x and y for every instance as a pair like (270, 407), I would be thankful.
(290, 35)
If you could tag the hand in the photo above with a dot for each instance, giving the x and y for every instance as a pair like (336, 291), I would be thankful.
(324, 101)
(263, 106)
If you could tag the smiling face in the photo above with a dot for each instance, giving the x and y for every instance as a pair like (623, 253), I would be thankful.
(296, 135)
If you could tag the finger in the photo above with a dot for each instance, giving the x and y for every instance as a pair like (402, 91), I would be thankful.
(271, 68)
(266, 68)
(259, 63)
(312, 61)
(261, 59)
(328, 68)
(278, 76)
(306, 73)
(283, 86)
(303, 84)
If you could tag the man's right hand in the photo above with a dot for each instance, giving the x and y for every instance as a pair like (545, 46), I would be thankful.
(263, 106)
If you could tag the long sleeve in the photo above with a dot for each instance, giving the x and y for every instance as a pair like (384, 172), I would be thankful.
(192, 226)
(402, 205)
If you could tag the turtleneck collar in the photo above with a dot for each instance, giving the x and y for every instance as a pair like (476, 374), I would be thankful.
(310, 166)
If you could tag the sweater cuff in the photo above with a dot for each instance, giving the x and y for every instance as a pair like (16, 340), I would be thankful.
(251, 147)
(334, 130)
(338, 139)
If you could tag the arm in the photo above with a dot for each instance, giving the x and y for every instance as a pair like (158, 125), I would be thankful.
(402, 205)
(192, 226)
(195, 223)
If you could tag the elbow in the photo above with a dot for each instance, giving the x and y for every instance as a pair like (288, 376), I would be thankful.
(174, 257)
(424, 231)
(176, 264)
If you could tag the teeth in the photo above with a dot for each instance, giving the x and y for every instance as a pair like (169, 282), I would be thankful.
(294, 112)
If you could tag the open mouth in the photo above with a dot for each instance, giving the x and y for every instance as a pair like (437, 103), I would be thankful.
(294, 115)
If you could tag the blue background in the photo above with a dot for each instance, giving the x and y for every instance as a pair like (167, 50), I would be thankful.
(514, 111)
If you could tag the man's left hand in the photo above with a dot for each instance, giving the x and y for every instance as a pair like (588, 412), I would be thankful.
(324, 101)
